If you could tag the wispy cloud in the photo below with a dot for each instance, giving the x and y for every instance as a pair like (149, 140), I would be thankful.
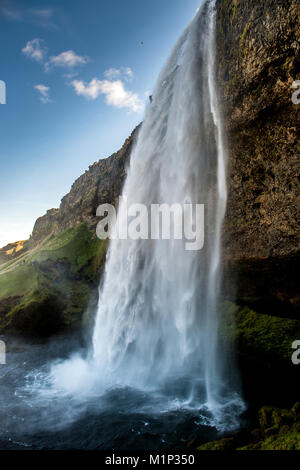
(112, 73)
(44, 93)
(67, 59)
(43, 13)
(41, 16)
(11, 14)
(70, 74)
(124, 72)
(114, 91)
(35, 50)
(128, 73)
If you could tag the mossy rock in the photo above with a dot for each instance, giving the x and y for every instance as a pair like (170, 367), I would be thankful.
(79, 246)
(267, 338)
(39, 315)
(53, 287)
(279, 430)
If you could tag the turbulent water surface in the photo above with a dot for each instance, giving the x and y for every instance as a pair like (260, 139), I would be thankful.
(156, 372)
(35, 414)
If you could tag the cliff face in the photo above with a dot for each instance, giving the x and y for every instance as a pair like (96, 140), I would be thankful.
(258, 45)
(50, 282)
(101, 183)
(52, 287)
(13, 250)
(258, 60)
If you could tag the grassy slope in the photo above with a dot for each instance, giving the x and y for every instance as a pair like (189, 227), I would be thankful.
(18, 281)
(66, 267)
(50, 287)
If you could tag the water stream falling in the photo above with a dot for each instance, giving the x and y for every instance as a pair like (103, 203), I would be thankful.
(157, 370)
(157, 317)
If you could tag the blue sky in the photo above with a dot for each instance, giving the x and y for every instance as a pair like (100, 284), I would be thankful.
(77, 75)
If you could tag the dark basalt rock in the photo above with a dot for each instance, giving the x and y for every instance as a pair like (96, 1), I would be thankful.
(258, 45)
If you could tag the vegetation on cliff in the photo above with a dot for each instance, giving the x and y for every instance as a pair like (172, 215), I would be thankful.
(49, 283)
(264, 337)
(50, 287)
(278, 429)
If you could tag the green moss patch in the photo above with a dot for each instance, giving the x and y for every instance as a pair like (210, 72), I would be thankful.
(263, 336)
(78, 246)
(18, 282)
(279, 429)
(51, 288)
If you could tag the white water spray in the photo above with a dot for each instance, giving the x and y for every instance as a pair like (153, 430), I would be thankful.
(156, 332)
(157, 367)
(157, 317)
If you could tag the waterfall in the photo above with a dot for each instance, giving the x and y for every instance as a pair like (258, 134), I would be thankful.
(158, 360)
(157, 318)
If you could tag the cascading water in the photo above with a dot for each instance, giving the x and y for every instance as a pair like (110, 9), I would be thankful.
(157, 366)
(157, 317)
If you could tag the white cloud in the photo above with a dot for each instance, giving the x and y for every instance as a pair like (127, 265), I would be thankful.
(90, 90)
(67, 59)
(112, 73)
(115, 93)
(128, 73)
(44, 93)
(118, 96)
(35, 50)
(124, 72)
